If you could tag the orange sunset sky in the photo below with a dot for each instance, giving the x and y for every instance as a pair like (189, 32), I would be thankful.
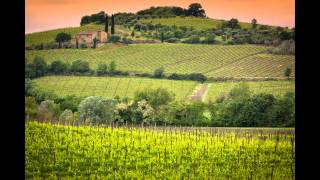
(43, 15)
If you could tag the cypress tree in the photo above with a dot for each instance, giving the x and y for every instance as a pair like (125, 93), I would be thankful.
(112, 24)
(106, 27)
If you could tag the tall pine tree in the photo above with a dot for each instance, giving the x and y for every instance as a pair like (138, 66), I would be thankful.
(106, 27)
(112, 24)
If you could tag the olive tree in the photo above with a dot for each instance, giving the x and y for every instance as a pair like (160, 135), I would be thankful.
(97, 109)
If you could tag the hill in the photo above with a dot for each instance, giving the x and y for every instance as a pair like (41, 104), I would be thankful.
(214, 61)
(46, 37)
(194, 22)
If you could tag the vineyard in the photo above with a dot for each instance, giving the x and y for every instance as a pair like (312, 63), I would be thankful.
(273, 87)
(111, 86)
(58, 151)
(196, 23)
(241, 61)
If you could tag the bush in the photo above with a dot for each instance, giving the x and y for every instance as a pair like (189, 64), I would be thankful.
(97, 110)
(172, 40)
(66, 117)
(37, 68)
(102, 69)
(192, 40)
(197, 77)
(48, 110)
(58, 67)
(240, 90)
(209, 40)
(159, 72)
(156, 97)
(114, 38)
(80, 66)
(30, 107)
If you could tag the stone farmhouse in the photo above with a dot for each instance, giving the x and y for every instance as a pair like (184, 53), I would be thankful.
(87, 37)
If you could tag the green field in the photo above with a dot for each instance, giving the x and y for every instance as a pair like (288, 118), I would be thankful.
(58, 151)
(111, 86)
(196, 23)
(273, 87)
(211, 60)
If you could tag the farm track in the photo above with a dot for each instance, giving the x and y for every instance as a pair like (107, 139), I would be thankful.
(200, 92)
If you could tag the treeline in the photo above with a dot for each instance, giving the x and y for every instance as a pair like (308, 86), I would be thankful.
(194, 9)
(240, 108)
(38, 67)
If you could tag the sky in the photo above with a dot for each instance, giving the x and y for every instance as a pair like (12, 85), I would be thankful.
(41, 15)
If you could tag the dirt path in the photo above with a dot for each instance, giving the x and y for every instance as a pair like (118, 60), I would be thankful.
(199, 93)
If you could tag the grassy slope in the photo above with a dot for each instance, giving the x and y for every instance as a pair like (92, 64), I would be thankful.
(273, 87)
(211, 60)
(111, 86)
(49, 36)
(196, 23)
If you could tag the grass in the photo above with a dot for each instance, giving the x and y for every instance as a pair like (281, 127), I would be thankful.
(211, 60)
(273, 87)
(110, 86)
(196, 23)
(62, 152)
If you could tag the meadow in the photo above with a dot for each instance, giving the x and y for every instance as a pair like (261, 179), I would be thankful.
(242, 61)
(111, 86)
(96, 152)
(277, 88)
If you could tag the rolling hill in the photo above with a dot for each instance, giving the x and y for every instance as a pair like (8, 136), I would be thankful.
(214, 61)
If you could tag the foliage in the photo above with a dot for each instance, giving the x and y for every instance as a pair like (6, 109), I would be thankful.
(62, 37)
(30, 107)
(195, 9)
(97, 109)
(58, 67)
(66, 116)
(93, 18)
(159, 72)
(240, 90)
(80, 66)
(154, 152)
(156, 97)
(37, 68)
(102, 69)
(48, 110)
(287, 72)
(114, 38)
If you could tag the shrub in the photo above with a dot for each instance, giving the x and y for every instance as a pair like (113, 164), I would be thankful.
(80, 66)
(114, 38)
(58, 67)
(48, 110)
(192, 40)
(66, 116)
(209, 40)
(97, 110)
(159, 72)
(156, 97)
(172, 40)
(102, 69)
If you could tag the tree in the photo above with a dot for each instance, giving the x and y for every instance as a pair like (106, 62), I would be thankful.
(80, 66)
(62, 37)
(233, 23)
(97, 109)
(106, 26)
(254, 23)
(95, 41)
(102, 69)
(58, 67)
(156, 97)
(30, 107)
(85, 20)
(287, 72)
(162, 37)
(196, 10)
(49, 110)
(159, 72)
(112, 67)
(66, 116)
(112, 24)
(37, 68)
